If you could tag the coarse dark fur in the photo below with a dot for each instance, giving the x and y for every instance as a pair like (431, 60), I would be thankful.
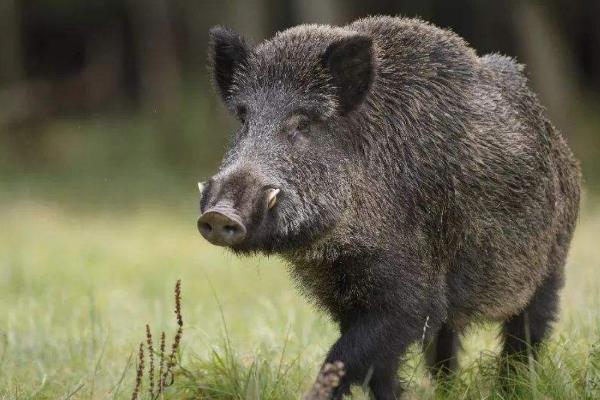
(422, 186)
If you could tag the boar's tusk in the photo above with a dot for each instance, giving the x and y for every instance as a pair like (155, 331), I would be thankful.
(272, 197)
(201, 186)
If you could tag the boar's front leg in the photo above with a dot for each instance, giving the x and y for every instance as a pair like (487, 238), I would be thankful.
(375, 338)
(370, 351)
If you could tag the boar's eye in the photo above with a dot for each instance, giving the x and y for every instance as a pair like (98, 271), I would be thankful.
(303, 125)
(299, 127)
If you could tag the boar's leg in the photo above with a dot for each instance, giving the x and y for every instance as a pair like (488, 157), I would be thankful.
(373, 342)
(524, 332)
(440, 352)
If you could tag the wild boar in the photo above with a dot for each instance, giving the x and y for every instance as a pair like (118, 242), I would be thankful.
(412, 186)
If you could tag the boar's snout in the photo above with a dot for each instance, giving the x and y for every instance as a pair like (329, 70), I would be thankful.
(236, 208)
(222, 226)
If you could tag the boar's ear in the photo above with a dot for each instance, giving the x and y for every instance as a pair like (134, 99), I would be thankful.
(350, 63)
(227, 52)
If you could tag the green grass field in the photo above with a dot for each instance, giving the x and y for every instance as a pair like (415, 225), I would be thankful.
(78, 285)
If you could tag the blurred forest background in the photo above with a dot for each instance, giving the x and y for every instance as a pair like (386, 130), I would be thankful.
(113, 96)
(107, 121)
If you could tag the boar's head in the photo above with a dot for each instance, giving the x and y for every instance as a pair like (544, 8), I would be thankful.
(286, 179)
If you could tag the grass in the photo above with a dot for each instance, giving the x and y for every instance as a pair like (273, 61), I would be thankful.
(79, 284)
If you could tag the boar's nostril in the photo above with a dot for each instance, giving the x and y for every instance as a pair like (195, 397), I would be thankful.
(221, 227)
(204, 226)
(230, 229)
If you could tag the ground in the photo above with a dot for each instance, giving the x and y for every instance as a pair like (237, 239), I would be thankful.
(78, 285)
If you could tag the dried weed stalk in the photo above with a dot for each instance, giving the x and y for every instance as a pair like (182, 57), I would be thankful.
(139, 375)
(157, 383)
